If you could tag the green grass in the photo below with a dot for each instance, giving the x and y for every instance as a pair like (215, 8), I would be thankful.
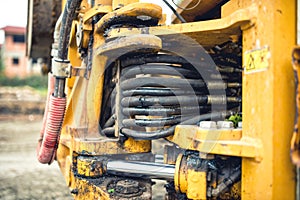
(37, 82)
(42, 91)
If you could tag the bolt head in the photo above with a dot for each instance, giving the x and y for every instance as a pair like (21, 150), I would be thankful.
(208, 125)
(240, 125)
(127, 187)
(225, 124)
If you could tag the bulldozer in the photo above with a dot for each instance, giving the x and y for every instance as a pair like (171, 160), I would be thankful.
(193, 99)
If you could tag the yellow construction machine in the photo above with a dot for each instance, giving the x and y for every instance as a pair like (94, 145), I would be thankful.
(202, 102)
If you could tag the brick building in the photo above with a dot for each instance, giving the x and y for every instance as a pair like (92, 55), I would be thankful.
(13, 52)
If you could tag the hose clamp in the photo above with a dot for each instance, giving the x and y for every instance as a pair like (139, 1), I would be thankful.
(61, 68)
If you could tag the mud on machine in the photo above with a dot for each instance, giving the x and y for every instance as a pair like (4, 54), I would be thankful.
(124, 86)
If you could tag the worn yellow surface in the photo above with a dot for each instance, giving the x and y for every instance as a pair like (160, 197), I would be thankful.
(188, 180)
(87, 191)
(117, 4)
(131, 145)
(196, 179)
(183, 132)
(206, 33)
(218, 141)
(268, 101)
(134, 9)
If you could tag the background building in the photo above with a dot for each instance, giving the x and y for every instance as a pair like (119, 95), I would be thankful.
(13, 53)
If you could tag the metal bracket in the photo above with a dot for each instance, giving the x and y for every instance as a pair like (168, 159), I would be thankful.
(61, 68)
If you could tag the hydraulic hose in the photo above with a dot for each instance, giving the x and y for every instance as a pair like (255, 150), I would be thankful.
(169, 131)
(227, 182)
(56, 100)
(163, 90)
(50, 140)
(175, 12)
(66, 24)
(156, 91)
(51, 81)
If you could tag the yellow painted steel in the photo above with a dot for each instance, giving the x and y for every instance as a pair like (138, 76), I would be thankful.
(179, 182)
(84, 168)
(206, 33)
(96, 10)
(196, 179)
(266, 27)
(80, 134)
(137, 146)
(188, 180)
(268, 101)
(117, 4)
(135, 9)
(219, 141)
(87, 190)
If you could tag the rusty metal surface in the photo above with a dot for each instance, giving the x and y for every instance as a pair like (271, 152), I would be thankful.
(42, 17)
(136, 10)
(295, 142)
(111, 188)
(207, 33)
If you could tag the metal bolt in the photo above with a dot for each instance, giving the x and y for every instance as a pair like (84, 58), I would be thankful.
(240, 125)
(225, 124)
(127, 187)
(208, 125)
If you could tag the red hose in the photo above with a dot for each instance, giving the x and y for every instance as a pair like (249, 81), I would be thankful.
(52, 122)
(51, 81)
(55, 106)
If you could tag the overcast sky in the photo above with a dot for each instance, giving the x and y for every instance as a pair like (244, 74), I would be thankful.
(13, 13)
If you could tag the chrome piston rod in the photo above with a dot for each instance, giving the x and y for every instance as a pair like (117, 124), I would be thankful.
(141, 169)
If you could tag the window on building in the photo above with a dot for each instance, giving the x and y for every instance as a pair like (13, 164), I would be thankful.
(19, 38)
(15, 61)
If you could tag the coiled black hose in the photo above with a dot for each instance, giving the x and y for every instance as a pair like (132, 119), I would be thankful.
(151, 135)
(161, 94)
(157, 91)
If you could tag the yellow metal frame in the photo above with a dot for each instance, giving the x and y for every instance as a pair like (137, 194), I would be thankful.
(188, 180)
(219, 141)
(268, 96)
(268, 99)
(206, 33)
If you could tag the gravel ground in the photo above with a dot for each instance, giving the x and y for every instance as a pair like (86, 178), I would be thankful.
(21, 175)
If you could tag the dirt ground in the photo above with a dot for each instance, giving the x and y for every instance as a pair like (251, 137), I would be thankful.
(21, 175)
